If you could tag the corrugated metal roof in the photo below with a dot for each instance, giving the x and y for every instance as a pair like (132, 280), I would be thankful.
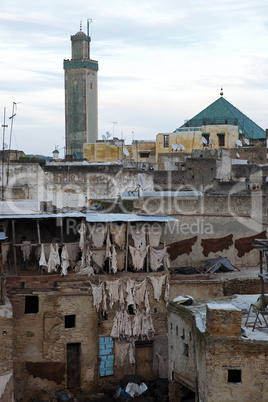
(97, 217)
(128, 218)
(132, 195)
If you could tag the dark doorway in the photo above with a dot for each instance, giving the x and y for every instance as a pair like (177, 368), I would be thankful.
(187, 395)
(144, 359)
(73, 365)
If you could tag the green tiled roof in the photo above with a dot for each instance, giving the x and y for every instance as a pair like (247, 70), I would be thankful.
(223, 112)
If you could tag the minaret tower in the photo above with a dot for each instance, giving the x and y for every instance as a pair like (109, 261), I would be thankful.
(81, 95)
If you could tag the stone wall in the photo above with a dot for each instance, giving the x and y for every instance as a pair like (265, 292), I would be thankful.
(6, 350)
(40, 339)
(216, 368)
(249, 356)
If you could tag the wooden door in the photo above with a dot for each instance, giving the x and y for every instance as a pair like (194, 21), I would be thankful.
(144, 360)
(73, 365)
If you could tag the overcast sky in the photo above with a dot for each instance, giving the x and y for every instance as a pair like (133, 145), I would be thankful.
(160, 63)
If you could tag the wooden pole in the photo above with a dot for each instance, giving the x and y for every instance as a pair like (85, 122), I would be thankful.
(39, 239)
(1, 268)
(14, 248)
(147, 244)
(165, 234)
(262, 283)
(38, 231)
(61, 230)
(108, 240)
(126, 262)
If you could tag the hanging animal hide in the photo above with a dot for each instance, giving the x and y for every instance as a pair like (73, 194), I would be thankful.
(181, 247)
(244, 244)
(215, 245)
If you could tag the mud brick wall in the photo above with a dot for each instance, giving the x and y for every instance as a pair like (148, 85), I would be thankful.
(223, 320)
(6, 351)
(243, 286)
(40, 339)
(249, 356)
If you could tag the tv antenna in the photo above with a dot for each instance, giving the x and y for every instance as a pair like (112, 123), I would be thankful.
(114, 123)
(211, 141)
(125, 152)
(204, 140)
(238, 143)
(10, 137)
(3, 158)
(142, 182)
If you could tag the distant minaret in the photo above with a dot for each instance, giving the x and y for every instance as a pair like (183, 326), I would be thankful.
(81, 95)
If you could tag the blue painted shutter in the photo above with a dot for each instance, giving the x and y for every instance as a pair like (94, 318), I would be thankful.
(106, 354)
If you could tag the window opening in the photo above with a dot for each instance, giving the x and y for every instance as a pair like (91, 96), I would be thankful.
(234, 375)
(31, 304)
(186, 350)
(104, 316)
(166, 141)
(221, 138)
(144, 154)
(130, 309)
(69, 321)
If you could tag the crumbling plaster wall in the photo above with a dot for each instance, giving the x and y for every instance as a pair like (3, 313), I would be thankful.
(181, 353)
(6, 349)
(26, 181)
(75, 187)
(250, 356)
(211, 217)
(42, 337)
(210, 357)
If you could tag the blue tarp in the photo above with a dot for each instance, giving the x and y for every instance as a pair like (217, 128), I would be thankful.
(217, 263)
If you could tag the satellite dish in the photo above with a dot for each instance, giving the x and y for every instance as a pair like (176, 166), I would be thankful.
(108, 135)
(5, 146)
(125, 152)
(211, 141)
(142, 182)
(104, 137)
(177, 147)
(182, 147)
(204, 141)
(246, 141)
(238, 156)
(174, 147)
(238, 143)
